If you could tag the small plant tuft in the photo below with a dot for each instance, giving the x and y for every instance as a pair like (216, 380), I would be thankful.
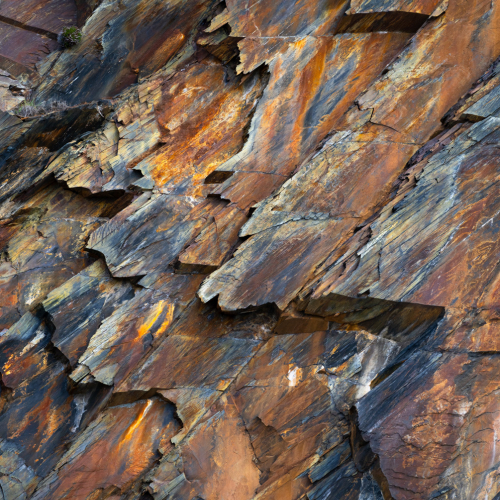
(70, 36)
(25, 109)
(30, 108)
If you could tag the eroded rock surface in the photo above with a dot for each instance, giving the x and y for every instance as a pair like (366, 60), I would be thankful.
(249, 250)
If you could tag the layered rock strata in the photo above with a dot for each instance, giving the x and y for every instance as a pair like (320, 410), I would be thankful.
(249, 250)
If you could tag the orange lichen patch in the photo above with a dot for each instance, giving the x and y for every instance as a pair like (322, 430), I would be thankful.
(203, 321)
(114, 450)
(202, 116)
(137, 422)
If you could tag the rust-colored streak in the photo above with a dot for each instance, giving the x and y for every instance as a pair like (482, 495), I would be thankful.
(130, 434)
(249, 250)
(202, 120)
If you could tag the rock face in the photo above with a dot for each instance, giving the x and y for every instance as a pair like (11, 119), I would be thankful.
(250, 250)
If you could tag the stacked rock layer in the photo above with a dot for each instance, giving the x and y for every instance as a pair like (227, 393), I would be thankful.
(250, 250)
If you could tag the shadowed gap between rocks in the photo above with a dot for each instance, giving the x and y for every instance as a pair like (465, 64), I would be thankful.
(403, 22)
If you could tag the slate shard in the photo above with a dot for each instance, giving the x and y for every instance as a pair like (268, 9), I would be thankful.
(249, 250)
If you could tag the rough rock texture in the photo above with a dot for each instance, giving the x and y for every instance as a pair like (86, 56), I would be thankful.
(249, 250)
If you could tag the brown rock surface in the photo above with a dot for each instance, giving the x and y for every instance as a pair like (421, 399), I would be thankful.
(249, 250)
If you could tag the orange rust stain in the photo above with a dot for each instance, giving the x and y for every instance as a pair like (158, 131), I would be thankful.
(168, 319)
(153, 316)
(201, 127)
(137, 422)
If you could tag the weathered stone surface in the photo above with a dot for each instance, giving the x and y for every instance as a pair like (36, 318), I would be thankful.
(40, 417)
(23, 49)
(16, 480)
(438, 263)
(294, 231)
(445, 426)
(289, 242)
(50, 15)
(148, 240)
(11, 92)
(132, 328)
(253, 254)
(286, 438)
(206, 110)
(132, 434)
(417, 7)
(303, 18)
(310, 102)
(124, 40)
(43, 240)
(78, 307)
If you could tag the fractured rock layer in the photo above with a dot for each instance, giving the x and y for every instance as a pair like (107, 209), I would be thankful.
(249, 250)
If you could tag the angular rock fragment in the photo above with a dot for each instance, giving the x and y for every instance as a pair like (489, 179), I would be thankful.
(488, 105)
(78, 307)
(402, 103)
(11, 92)
(311, 103)
(43, 239)
(148, 240)
(417, 7)
(100, 460)
(49, 15)
(202, 116)
(428, 243)
(16, 479)
(123, 338)
(217, 362)
(120, 41)
(39, 417)
(301, 235)
(303, 18)
(443, 422)
(484, 86)
(220, 450)
(295, 230)
(288, 398)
